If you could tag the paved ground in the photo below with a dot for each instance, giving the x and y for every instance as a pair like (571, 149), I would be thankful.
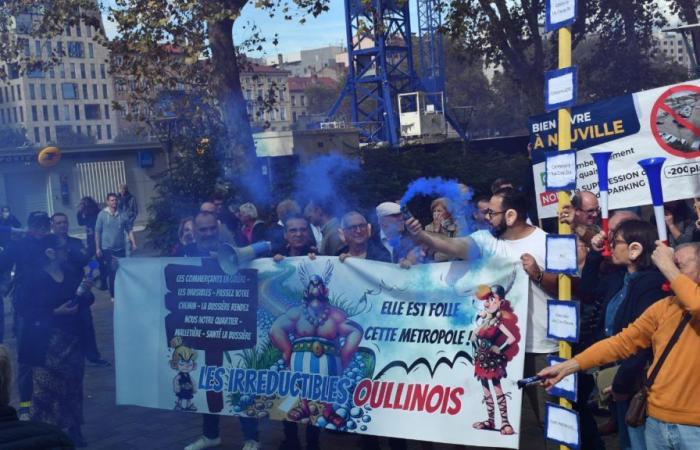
(111, 427)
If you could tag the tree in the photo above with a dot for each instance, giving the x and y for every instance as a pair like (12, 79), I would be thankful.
(507, 34)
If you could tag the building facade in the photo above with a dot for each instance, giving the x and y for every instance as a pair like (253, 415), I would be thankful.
(71, 101)
(266, 91)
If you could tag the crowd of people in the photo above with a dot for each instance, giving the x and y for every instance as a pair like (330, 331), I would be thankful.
(48, 276)
(627, 312)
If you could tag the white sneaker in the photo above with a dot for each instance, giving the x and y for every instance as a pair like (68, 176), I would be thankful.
(251, 445)
(204, 442)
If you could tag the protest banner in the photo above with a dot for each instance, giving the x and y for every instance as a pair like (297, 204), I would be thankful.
(658, 122)
(359, 346)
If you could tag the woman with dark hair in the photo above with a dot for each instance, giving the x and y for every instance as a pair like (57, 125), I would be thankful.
(87, 216)
(51, 340)
(626, 293)
(679, 222)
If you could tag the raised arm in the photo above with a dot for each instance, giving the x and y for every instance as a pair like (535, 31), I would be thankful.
(460, 248)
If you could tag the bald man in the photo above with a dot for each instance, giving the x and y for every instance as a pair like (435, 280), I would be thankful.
(225, 234)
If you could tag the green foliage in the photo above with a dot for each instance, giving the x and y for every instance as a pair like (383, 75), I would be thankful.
(180, 190)
(263, 358)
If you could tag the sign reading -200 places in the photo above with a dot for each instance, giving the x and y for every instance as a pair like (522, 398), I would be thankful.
(360, 346)
(662, 122)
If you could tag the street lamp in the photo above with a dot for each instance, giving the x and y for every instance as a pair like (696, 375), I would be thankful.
(685, 32)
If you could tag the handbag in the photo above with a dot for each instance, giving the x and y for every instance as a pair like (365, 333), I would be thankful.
(603, 380)
(636, 413)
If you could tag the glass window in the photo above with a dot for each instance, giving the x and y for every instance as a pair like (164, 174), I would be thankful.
(59, 48)
(42, 89)
(35, 115)
(91, 51)
(19, 93)
(68, 30)
(93, 72)
(66, 112)
(36, 135)
(69, 91)
(47, 132)
(48, 48)
(103, 73)
(72, 70)
(94, 91)
(54, 92)
(92, 112)
(21, 114)
(76, 49)
(55, 112)
(45, 113)
(37, 49)
(107, 112)
(88, 130)
(85, 91)
(62, 70)
(109, 132)
(62, 131)
(303, 100)
(78, 129)
(99, 132)
(77, 112)
(88, 30)
(104, 92)
(32, 92)
(78, 30)
(82, 71)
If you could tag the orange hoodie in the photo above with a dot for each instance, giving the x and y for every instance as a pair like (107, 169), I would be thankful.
(675, 395)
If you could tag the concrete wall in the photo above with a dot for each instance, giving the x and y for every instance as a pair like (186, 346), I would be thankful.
(26, 186)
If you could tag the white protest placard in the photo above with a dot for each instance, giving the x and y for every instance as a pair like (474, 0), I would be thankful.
(566, 388)
(648, 124)
(562, 320)
(561, 254)
(562, 426)
(559, 13)
(560, 88)
(561, 170)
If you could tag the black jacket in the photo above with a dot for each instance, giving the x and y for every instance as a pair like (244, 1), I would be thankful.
(375, 252)
(16, 435)
(643, 292)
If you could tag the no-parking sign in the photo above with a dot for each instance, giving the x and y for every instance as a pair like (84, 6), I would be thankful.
(659, 122)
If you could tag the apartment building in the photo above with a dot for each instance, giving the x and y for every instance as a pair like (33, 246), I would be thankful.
(68, 102)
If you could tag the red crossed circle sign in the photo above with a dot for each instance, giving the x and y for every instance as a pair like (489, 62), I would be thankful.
(662, 106)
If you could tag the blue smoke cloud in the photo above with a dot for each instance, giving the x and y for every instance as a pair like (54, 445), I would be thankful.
(459, 197)
(318, 179)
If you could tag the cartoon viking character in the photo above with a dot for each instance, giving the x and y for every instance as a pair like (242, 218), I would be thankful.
(497, 336)
(317, 328)
(183, 360)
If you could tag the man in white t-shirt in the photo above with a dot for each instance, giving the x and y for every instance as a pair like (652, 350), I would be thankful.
(510, 236)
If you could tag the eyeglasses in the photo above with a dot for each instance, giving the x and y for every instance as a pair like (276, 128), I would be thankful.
(617, 242)
(356, 227)
(590, 212)
(490, 213)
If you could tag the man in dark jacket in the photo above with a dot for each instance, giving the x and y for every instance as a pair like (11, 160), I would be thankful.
(126, 204)
(20, 255)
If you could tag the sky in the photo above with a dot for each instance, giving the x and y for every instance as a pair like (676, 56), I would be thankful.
(326, 29)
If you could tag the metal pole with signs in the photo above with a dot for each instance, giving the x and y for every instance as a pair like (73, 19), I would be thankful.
(560, 94)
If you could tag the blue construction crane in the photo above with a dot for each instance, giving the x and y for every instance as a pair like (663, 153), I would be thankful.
(431, 50)
(381, 66)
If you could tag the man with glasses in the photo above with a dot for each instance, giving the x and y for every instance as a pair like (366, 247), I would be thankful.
(392, 231)
(356, 232)
(583, 215)
(511, 237)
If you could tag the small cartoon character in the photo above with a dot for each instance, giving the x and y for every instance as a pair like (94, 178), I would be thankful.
(183, 360)
(497, 336)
